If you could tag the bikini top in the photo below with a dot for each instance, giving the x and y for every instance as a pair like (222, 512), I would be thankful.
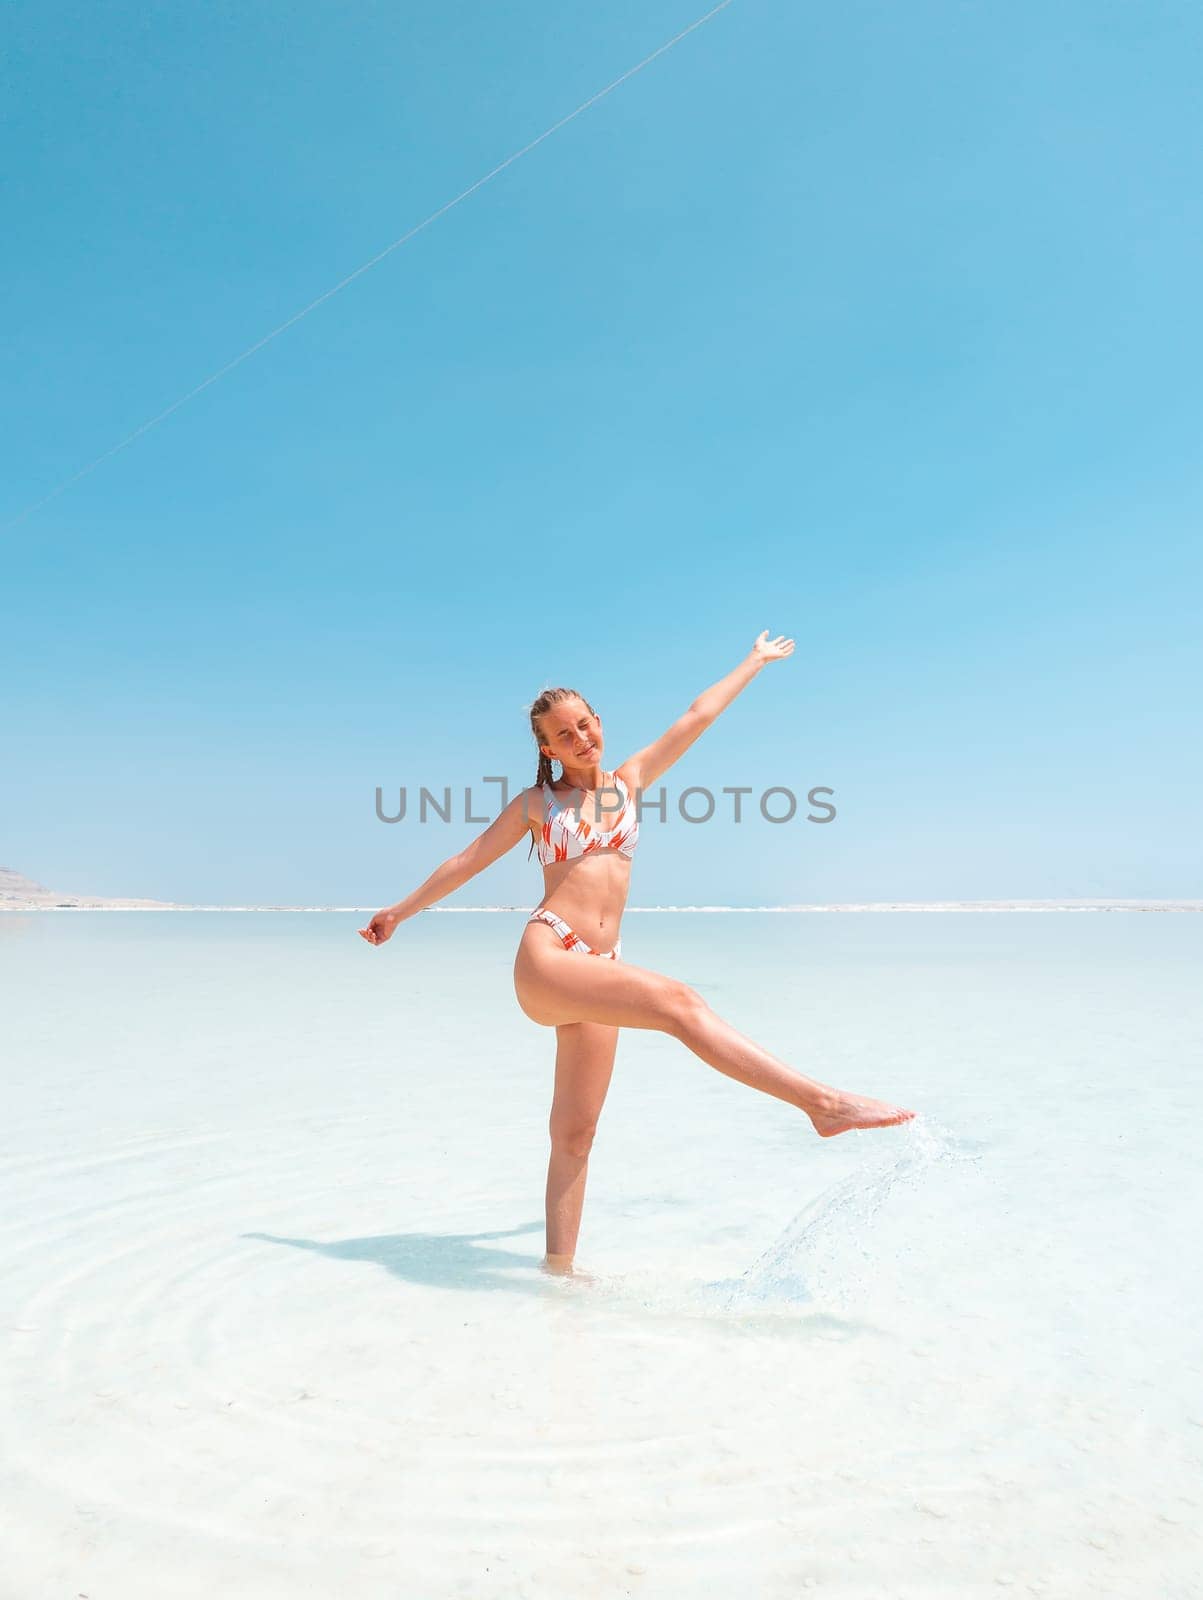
(566, 834)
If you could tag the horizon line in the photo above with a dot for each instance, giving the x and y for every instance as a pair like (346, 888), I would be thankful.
(79, 903)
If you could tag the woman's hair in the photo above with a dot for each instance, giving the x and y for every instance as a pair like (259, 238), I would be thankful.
(544, 702)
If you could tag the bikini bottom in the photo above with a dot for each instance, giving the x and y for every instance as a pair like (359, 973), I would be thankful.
(573, 941)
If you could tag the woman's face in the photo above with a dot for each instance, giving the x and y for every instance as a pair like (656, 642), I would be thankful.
(572, 734)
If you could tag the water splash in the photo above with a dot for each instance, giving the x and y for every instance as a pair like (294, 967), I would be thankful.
(818, 1256)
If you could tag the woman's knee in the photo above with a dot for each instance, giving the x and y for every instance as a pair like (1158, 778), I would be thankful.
(683, 1007)
(572, 1136)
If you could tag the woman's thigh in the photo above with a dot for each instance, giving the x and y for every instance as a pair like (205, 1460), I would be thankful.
(584, 1066)
(557, 986)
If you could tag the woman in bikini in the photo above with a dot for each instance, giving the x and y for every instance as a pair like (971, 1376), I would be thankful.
(586, 827)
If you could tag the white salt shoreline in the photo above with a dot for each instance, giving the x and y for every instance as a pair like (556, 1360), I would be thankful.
(18, 893)
(880, 906)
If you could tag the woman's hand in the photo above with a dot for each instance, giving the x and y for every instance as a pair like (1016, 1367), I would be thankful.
(381, 927)
(766, 649)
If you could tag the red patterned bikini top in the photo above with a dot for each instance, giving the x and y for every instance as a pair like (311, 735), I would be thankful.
(567, 835)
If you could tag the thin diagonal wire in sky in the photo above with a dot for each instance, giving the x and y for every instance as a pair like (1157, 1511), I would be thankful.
(350, 278)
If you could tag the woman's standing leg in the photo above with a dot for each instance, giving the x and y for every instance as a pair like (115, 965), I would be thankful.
(584, 1064)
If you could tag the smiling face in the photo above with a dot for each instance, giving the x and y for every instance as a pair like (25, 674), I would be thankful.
(571, 734)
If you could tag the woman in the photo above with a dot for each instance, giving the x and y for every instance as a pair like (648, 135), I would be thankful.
(586, 829)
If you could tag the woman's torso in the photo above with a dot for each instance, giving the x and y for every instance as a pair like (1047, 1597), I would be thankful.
(588, 889)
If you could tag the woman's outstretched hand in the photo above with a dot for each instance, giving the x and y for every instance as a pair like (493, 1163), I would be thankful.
(766, 649)
(380, 928)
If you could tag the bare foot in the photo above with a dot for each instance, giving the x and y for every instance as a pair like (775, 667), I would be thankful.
(856, 1111)
(564, 1267)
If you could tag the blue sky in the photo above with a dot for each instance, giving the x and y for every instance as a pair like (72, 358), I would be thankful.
(873, 325)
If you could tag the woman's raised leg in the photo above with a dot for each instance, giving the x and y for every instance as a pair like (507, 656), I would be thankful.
(584, 1065)
(557, 986)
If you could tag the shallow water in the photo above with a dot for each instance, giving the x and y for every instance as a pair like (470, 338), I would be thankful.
(274, 1324)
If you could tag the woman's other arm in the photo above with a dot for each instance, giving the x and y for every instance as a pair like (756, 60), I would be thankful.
(646, 765)
(500, 836)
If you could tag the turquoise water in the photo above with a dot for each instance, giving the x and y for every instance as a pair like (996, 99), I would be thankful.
(273, 1214)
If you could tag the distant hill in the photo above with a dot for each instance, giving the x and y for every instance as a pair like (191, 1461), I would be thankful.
(18, 893)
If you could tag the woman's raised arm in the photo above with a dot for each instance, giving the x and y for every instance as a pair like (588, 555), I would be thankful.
(646, 765)
(501, 835)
